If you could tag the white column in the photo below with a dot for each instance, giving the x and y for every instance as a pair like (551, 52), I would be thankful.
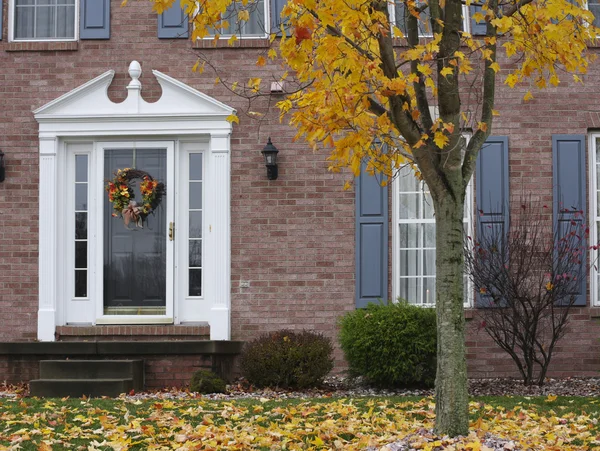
(219, 237)
(47, 237)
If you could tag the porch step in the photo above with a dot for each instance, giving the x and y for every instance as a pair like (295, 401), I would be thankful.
(60, 378)
(59, 388)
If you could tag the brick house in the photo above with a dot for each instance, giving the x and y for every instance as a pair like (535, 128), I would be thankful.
(88, 87)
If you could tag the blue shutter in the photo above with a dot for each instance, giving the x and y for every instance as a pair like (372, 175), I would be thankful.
(477, 28)
(371, 239)
(94, 19)
(276, 7)
(569, 190)
(492, 183)
(173, 23)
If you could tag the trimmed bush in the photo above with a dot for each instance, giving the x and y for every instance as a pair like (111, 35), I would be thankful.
(391, 345)
(205, 381)
(287, 359)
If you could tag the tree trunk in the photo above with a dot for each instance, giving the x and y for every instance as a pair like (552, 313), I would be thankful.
(451, 389)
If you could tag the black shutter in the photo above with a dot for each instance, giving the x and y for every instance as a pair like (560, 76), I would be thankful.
(493, 200)
(173, 23)
(94, 19)
(371, 239)
(569, 191)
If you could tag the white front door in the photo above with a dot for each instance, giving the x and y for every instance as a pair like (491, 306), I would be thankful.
(136, 264)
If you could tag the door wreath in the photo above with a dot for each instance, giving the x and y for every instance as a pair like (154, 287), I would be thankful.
(121, 195)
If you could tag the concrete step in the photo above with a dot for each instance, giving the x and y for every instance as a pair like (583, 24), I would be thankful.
(94, 369)
(59, 388)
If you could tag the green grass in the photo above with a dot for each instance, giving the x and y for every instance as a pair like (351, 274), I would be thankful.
(285, 424)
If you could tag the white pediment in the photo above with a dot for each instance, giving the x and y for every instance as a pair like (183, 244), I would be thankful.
(90, 100)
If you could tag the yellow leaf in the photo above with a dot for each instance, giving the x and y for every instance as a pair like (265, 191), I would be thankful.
(243, 15)
(232, 40)
(261, 61)
(440, 139)
(528, 96)
(482, 126)
(495, 67)
(424, 69)
(446, 71)
(272, 54)
(551, 398)
(495, 113)
(232, 118)
(577, 79)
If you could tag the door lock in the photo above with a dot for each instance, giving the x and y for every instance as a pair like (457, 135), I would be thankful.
(171, 231)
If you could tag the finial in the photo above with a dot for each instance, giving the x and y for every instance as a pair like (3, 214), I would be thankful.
(135, 70)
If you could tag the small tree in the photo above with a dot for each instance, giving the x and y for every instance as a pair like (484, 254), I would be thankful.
(529, 279)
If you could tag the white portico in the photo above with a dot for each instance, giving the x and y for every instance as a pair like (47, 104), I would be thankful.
(95, 270)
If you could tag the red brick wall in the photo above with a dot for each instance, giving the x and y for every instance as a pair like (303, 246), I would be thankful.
(293, 238)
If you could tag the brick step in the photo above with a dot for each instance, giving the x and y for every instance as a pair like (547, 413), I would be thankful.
(59, 388)
(94, 369)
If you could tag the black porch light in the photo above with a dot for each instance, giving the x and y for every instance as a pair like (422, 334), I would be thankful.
(270, 152)
(2, 167)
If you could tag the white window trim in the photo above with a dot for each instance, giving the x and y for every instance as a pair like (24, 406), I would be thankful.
(239, 36)
(469, 204)
(11, 26)
(87, 115)
(594, 218)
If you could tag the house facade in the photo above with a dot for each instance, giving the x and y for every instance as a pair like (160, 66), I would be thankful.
(88, 87)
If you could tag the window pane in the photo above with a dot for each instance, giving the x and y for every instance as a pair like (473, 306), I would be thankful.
(81, 197)
(196, 166)
(402, 13)
(410, 290)
(429, 235)
(427, 206)
(45, 21)
(195, 284)
(594, 7)
(429, 263)
(407, 181)
(409, 235)
(81, 254)
(195, 224)
(80, 284)
(196, 195)
(195, 258)
(80, 226)
(429, 290)
(65, 23)
(24, 20)
(408, 206)
(81, 168)
(409, 263)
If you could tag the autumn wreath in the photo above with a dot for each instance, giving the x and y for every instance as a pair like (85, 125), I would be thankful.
(121, 195)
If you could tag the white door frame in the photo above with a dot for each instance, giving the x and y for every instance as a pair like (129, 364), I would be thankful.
(86, 114)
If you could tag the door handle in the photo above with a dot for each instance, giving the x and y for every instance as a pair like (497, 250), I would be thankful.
(171, 231)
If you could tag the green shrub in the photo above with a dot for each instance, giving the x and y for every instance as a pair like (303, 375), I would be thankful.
(205, 381)
(391, 345)
(287, 359)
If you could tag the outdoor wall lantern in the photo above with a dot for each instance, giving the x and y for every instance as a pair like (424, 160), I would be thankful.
(2, 167)
(270, 152)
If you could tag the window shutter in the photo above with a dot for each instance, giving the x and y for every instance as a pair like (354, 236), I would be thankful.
(492, 182)
(1, 28)
(569, 190)
(173, 23)
(276, 21)
(371, 239)
(94, 20)
(477, 28)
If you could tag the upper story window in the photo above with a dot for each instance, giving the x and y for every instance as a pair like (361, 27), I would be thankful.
(255, 26)
(399, 13)
(43, 20)
(594, 7)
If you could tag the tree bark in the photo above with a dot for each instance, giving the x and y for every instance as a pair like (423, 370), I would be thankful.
(451, 390)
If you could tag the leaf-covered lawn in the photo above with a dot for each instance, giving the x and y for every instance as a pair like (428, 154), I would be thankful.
(163, 424)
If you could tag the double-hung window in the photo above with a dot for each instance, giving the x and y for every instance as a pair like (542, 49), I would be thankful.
(594, 190)
(43, 20)
(256, 26)
(399, 12)
(414, 243)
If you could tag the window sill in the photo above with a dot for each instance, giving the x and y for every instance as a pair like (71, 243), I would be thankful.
(39, 46)
(224, 43)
